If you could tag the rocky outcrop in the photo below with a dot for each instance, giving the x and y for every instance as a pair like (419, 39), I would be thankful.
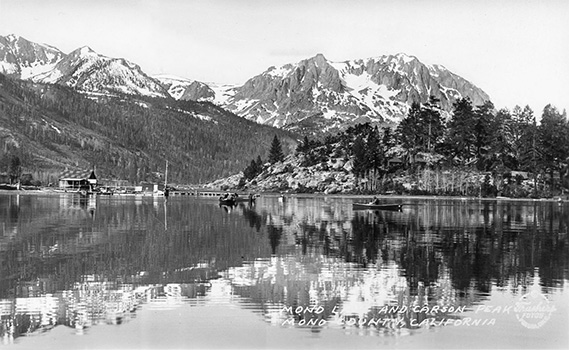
(290, 176)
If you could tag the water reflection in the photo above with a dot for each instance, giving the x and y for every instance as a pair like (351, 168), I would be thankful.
(304, 262)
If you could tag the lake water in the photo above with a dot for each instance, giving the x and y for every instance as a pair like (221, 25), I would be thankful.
(142, 272)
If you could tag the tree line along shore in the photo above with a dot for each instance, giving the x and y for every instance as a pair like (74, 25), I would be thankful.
(475, 151)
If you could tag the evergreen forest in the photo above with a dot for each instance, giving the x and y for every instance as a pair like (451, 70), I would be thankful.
(45, 129)
(474, 151)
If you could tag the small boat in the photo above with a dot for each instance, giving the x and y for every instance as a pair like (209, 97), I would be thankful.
(364, 206)
(227, 201)
(85, 191)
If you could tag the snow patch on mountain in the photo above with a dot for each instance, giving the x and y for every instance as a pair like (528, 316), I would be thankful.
(175, 85)
(34, 69)
(195, 115)
(223, 93)
(8, 68)
(280, 71)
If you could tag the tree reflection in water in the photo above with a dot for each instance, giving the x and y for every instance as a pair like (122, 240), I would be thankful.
(436, 253)
(80, 263)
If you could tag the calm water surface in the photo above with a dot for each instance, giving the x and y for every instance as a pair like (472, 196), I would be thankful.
(144, 272)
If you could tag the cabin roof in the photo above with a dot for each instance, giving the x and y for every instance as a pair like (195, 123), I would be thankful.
(77, 174)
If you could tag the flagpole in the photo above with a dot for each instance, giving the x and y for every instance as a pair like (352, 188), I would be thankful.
(166, 181)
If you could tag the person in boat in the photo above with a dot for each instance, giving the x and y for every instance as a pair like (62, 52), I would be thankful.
(375, 200)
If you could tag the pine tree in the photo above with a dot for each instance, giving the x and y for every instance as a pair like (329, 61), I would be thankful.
(485, 128)
(433, 124)
(359, 152)
(410, 130)
(553, 134)
(254, 169)
(276, 151)
(14, 168)
(460, 138)
(422, 129)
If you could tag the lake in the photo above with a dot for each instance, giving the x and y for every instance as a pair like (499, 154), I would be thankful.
(302, 271)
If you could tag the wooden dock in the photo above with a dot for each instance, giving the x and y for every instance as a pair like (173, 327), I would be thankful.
(201, 193)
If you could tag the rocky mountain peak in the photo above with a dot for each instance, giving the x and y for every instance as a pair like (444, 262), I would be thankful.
(91, 72)
(22, 58)
(319, 73)
(83, 68)
(83, 51)
(319, 59)
(374, 89)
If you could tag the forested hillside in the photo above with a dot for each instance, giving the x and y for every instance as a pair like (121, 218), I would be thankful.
(50, 128)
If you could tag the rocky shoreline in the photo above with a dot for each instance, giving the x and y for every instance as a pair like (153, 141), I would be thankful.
(335, 178)
(289, 176)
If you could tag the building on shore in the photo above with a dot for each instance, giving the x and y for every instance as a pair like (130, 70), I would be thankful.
(76, 179)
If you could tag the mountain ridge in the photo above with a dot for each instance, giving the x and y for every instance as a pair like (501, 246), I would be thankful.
(88, 71)
(378, 89)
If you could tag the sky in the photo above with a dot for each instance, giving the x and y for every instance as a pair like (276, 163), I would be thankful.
(517, 51)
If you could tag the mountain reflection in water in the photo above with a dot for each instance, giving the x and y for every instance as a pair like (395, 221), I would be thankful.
(304, 261)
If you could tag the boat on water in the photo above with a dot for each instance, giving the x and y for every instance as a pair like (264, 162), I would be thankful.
(234, 198)
(365, 206)
(227, 201)
(86, 191)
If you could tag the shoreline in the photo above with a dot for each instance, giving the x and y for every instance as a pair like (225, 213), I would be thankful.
(337, 195)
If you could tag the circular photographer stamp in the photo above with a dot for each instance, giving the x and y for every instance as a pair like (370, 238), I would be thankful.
(533, 310)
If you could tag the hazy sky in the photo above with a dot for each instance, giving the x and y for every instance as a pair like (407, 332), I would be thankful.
(515, 50)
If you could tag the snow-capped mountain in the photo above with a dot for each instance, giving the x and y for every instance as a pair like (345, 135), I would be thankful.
(313, 91)
(82, 69)
(88, 71)
(374, 89)
(23, 59)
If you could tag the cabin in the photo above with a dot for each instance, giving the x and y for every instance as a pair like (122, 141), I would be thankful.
(77, 179)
